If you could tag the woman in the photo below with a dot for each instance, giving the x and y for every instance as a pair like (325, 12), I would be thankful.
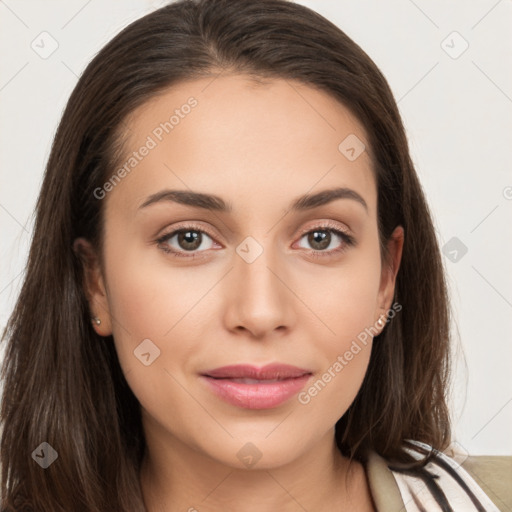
(226, 304)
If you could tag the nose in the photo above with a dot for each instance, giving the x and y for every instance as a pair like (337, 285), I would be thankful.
(259, 298)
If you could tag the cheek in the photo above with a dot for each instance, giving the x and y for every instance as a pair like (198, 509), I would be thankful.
(344, 346)
(150, 300)
(346, 306)
(148, 291)
(344, 298)
(156, 330)
(328, 396)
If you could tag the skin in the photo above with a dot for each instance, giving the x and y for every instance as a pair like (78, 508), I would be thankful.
(258, 146)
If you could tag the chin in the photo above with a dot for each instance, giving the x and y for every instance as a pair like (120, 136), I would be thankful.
(257, 452)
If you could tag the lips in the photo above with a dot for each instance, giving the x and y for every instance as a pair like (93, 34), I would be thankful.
(245, 371)
(250, 387)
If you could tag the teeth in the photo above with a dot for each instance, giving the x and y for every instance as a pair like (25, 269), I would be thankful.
(254, 381)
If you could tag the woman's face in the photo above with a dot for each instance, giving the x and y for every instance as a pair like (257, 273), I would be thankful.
(256, 277)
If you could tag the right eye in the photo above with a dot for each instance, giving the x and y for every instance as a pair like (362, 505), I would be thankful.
(188, 239)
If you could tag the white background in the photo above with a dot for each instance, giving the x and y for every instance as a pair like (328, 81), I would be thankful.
(457, 112)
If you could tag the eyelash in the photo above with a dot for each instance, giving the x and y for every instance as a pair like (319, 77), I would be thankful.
(348, 240)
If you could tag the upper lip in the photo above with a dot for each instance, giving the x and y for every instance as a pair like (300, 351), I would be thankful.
(269, 372)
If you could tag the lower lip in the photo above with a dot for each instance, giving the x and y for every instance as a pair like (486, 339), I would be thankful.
(256, 396)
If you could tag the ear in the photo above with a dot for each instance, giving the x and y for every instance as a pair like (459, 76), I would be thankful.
(94, 286)
(388, 276)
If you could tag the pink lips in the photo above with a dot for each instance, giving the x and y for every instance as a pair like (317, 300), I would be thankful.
(256, 388)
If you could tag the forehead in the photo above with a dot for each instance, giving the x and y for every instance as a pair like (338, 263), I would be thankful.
(234, 136)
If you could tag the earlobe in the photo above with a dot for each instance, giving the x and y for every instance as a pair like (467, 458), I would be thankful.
(94, 286)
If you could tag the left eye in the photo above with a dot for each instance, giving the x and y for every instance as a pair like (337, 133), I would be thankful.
(322, 239)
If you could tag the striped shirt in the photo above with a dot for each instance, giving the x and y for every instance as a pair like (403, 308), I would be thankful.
(442, 485)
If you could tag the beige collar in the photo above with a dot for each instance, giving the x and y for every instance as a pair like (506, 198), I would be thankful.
(383, 486)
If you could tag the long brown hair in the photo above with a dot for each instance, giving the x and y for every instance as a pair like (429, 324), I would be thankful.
(62, 382)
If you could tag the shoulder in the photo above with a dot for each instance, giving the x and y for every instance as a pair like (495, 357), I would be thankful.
(440, 485)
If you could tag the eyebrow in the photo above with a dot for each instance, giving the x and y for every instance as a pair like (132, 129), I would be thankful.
(216, 203)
